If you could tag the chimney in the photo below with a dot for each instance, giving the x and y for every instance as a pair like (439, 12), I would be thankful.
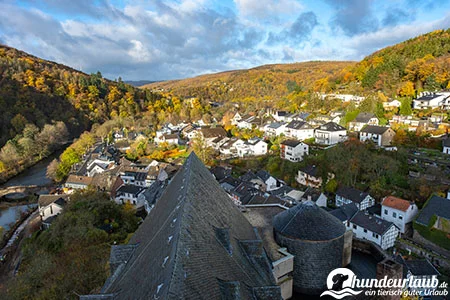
(448, 194)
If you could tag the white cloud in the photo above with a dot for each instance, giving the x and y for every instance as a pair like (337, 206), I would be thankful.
(266, 8)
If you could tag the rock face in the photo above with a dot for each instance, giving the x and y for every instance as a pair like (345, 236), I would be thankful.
(317, 241)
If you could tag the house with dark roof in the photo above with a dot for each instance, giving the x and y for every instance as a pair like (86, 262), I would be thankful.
(270, 182)
(220, 172)
(316, 196)
(399, 211)
(361, 120)
(431, 100)
(435, 213)
(211, 133)
(346, 195)
(310, 176)
(446, 145)
(345, 212)
(246, 122)
(142, 179)
(299, 130)
(420, 269)
(380, 135)
(194, 244)
(244, 192)
(330, 134)
(293, 150)
(129, 193)
(50, 206)
(275, 128)
(368, 227)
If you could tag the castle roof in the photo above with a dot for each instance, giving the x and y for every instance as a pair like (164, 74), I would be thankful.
(307, 221)
(194, 244)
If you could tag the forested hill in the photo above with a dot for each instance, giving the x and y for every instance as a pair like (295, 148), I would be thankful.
(268, 82)
(408, 67)
(39, 92)
(400, 70)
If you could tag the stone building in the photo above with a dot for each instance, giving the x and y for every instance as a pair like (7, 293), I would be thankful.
(318, 241)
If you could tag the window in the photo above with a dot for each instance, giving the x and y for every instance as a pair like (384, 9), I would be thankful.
(385, 212)
(354, 226)
(375, 235)
(365, 230)
(394, 214)
(400, 217)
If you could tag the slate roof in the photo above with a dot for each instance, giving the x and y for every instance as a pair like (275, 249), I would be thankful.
(155, 191)
(313, 193)
(245, 191)
(446, 142)
(194, 244)
(45, 200)
(352, 194)
(428, 97)
(311, 170)
(364, 117)
(130, 189)
(371, 223)
(220, 172)
(291, 143)
(421, 267)
(331, 126)
(249, 176)
(396, 203)
(375, 129)
(298, 125)
(307, 221)
(276, 125)
(264, 175)
(435, 206)
(345, 212)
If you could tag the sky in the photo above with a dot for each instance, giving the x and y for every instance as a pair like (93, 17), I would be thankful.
(172, 39)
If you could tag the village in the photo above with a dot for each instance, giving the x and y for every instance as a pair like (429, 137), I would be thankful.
(392, 224)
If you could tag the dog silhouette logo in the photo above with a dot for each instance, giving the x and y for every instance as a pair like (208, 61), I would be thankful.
(340, 283)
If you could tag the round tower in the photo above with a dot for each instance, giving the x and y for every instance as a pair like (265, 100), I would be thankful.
(317, 241)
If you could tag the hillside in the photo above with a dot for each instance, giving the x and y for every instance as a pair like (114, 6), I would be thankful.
(44, 103)
(268, 82)
(421, 63)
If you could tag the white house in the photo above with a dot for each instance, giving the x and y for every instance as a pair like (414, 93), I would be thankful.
(270, 182)
(361, 120)
(129, 194)
(380, 135)
(299, 130)
(275, 128)
(330, 134)
(310, 176)
(136, 178)
(236, 118)
(392, 104)
(283, 116)
(398, 211)
(293, 150)
(246, 122)
(446, 145)
(257, 146)
(78, 182)
(371, 228)
(431, 100)
(97, 166)
(347, 195)
(229, 148)
(50, 206)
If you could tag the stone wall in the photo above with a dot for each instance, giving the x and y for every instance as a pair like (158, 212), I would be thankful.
(313, 261)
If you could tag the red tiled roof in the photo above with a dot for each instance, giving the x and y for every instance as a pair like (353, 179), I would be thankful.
(396, 203)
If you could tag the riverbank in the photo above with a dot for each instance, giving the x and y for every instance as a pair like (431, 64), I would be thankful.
(8, 175)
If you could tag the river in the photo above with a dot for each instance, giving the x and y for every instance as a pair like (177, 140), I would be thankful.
(35, 175)
(11, 215)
